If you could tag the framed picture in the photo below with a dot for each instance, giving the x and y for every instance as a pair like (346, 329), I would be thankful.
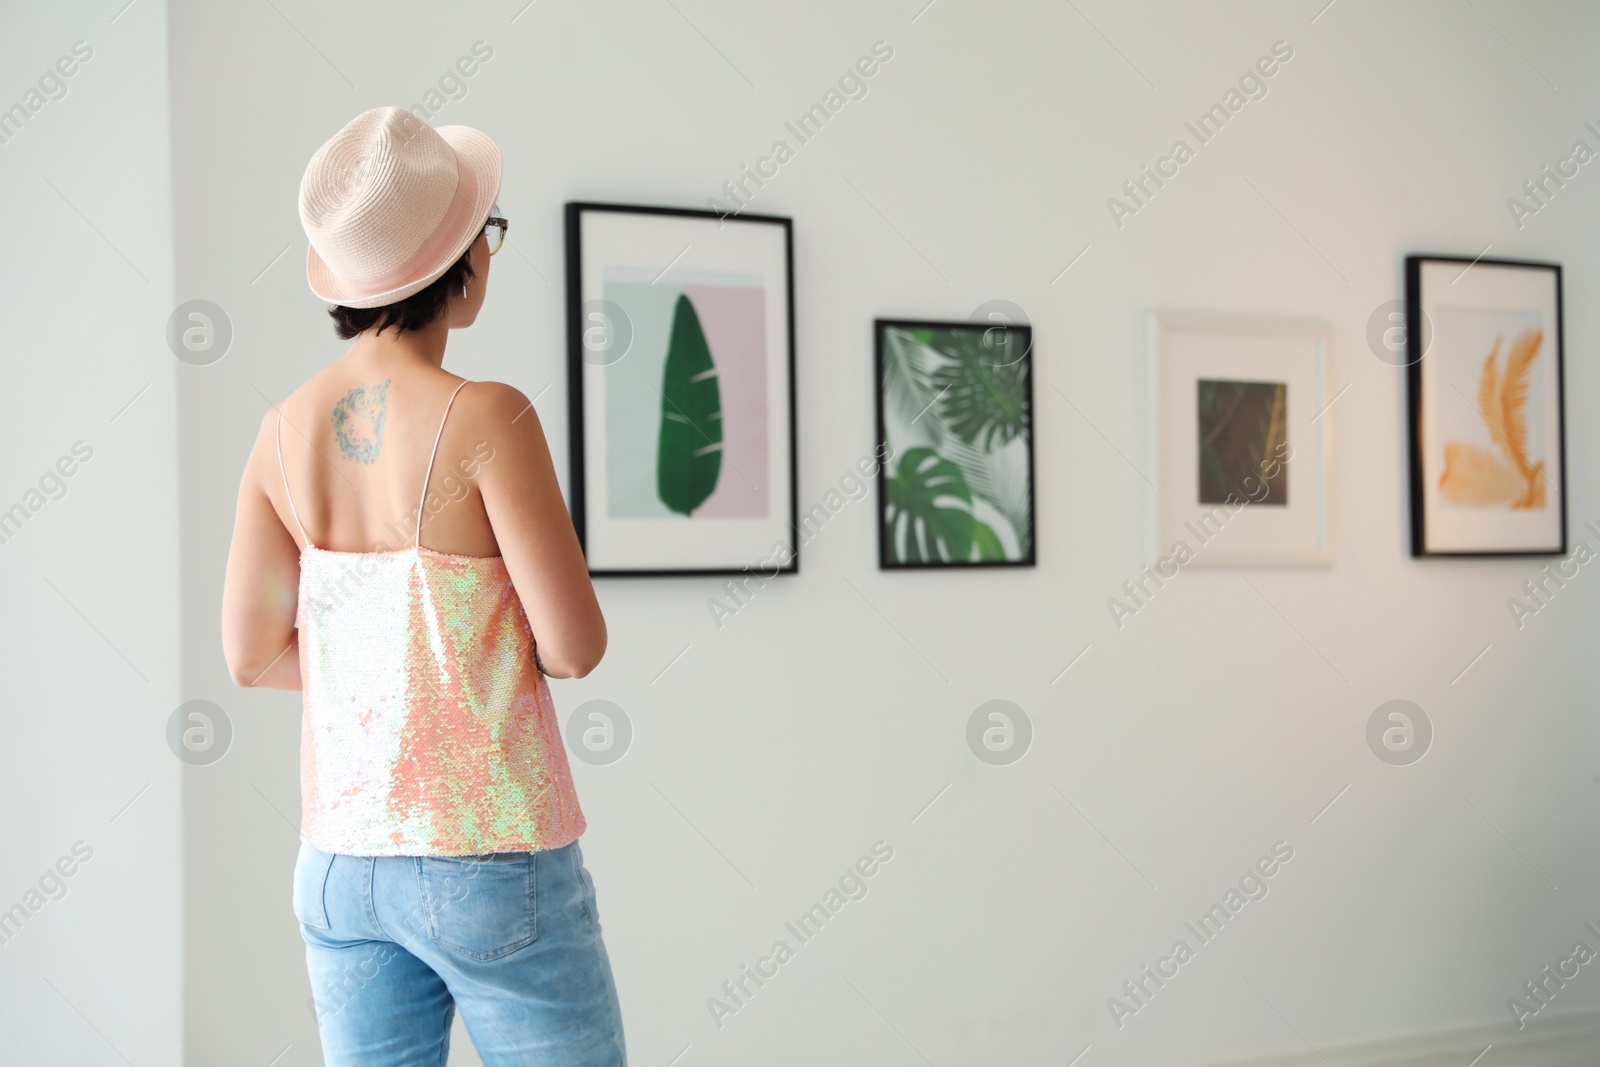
(1487, 436)
(1242, 435)
(680, 328)
(955, 428)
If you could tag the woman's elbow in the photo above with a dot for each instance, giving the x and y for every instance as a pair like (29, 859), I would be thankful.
(244, 675)
(574, 663)
(571, 667)
(247, 666)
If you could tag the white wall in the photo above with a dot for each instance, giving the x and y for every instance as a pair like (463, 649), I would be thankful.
(89, 583)
(827, 714)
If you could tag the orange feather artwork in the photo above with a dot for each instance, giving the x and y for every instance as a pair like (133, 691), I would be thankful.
(1503, 475)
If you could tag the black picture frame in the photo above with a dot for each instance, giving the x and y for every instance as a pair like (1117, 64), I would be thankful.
(886, 471)
(1419, 341)
(573, 217)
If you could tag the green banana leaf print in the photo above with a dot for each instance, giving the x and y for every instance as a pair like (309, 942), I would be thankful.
(929, 513)
(689, 457)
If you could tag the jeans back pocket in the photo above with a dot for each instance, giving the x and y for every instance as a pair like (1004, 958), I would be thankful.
(310, 883)
(479, 906)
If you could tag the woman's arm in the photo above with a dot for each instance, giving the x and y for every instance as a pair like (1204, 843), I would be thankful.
(535, 534)
(261, 589)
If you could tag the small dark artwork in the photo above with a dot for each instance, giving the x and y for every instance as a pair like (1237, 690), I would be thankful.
(1243, 426)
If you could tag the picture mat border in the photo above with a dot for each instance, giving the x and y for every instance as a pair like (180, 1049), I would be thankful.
(624, 407)
(572, 214)
(1162, 322)
(1414, 357)
(879, 326)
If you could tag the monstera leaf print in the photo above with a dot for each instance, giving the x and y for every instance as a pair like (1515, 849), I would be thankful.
(987, 542)
(982, 387)
(689, 458)
(929, 514)
(942, 387)
(1479, 477)
(999, 481)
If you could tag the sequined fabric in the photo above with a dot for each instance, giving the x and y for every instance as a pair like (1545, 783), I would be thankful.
(427, 729)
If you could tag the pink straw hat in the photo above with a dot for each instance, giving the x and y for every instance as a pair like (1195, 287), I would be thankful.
(389, 203)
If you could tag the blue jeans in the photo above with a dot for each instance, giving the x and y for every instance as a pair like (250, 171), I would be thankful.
(394, 943)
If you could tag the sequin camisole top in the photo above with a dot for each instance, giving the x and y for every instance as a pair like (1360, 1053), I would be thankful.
(427, 729)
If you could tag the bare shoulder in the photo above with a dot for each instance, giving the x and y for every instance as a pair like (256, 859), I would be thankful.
(291, 407)
(279, 419)
(264, 450)
(502, 411)
(495, 400)
(506, 425)
(268, 429)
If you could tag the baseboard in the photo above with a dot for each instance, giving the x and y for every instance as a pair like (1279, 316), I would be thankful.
(1570, 1039)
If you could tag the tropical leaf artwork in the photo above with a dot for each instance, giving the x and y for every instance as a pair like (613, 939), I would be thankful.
(1002, 486)
(982, 388)
(1503, 475)
(689, 455)
(929, 512)
(956, 412)
(906, 377)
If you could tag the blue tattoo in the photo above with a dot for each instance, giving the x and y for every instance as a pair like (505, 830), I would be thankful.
(358, 421)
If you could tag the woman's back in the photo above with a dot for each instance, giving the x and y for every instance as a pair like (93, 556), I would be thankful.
(355, 442)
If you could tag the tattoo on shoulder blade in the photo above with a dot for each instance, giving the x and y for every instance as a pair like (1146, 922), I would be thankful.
(358, 421)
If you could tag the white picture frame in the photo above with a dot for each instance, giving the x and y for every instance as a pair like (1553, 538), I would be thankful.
(1279, 516)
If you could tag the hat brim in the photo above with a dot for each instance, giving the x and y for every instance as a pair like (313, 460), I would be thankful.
(483, 157)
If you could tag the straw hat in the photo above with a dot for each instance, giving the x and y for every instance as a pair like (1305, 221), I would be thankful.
(389, 203)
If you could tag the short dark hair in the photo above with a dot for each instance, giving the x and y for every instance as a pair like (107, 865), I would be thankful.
(412, 313)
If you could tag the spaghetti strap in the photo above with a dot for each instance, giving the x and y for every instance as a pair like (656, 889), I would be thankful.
(277, 435)
(422, 504)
